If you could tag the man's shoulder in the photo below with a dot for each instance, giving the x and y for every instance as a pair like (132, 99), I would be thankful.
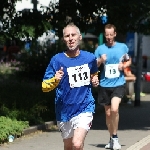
(121, 44)
(103, 46)
(58, 55)
(86, 53)
(100, 49)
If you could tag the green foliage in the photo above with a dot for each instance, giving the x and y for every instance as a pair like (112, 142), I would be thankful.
(34, 62)
(23, 100)
(127, 15)
(29, 24)
(7, 9)
(11, 127)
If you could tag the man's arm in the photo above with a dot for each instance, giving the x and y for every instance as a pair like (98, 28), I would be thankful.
(101, 60)
(123, 65)
(94, 79)
(50, 84)
(128, 63)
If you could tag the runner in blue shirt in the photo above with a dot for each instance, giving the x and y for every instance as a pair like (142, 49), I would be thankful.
(111, 56)
(72, 72)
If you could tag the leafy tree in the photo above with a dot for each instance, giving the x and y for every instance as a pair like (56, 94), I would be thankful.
(21, 24)
(130, 15)
(7, 10)
(127, 15)
(29, 23)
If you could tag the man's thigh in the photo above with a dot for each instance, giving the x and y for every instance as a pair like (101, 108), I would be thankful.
(104, 96)
(79, 136)
(82, 127)
(82, 121)
(118, 91)
(117, 95)
(115, 103)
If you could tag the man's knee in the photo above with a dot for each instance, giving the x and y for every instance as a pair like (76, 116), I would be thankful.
(114, 110)
(108, 114)
(67, 144)
(77, 145)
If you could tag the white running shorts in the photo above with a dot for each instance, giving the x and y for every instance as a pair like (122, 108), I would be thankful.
(83, 120)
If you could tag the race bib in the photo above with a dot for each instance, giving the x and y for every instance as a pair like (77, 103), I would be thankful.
(79, 75)
(112, 71)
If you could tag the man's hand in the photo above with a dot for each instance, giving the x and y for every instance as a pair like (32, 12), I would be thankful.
(94, 80)
(121, 66)
(59, 74)
(101, 60)
(104, 57)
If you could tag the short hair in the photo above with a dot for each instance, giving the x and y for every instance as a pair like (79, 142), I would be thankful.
(109, 26)
(71, 25)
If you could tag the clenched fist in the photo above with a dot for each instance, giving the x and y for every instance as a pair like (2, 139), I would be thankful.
(59, 74)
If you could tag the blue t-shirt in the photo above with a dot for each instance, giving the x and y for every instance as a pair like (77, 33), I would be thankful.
(72, 96)
(114, 54)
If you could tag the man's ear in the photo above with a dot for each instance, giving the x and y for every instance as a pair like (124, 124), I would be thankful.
(80, 37)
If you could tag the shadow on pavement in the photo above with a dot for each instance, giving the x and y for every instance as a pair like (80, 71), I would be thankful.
(131, 117)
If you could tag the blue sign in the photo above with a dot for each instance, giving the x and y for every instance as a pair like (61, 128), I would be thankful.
(130, 43)
(104, 19)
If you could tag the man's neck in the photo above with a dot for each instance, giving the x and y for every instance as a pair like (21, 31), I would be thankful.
(111, 44)
(73, 53)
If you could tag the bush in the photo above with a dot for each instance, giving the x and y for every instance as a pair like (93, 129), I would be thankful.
(34, 62)
(26, 101)
(11, 127)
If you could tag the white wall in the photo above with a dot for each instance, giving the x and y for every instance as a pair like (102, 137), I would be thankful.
(145, 45)
(26, 4)
(146, 49)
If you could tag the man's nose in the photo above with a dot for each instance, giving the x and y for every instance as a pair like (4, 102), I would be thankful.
(109, 36)
(70, 37)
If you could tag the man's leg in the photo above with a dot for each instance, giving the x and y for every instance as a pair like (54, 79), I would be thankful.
(66, 130)
(78, 138)
(75, 131)
(68, 144)
(77, 142)
(115, 113)
(109, 125)
(115, 120)
(82, 125)
(108, 119)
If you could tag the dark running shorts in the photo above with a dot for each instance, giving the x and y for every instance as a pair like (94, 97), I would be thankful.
(105, 94)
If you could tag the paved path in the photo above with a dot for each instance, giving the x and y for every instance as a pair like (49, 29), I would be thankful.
(134, 132)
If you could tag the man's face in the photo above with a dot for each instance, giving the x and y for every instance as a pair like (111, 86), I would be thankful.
(72, 37)
(110, 35)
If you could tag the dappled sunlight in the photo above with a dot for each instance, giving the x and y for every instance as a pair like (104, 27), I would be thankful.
(131, 117)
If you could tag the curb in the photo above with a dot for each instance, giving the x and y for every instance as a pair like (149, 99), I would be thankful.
(49, 124)
(140, 144)
(35, 128)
